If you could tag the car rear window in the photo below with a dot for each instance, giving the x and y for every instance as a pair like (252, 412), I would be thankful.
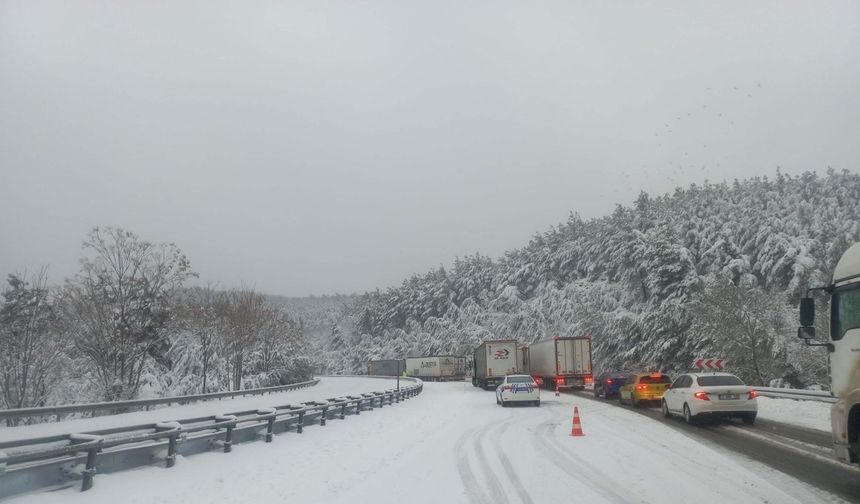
(716, 381)
(520, 379)
(655, 379)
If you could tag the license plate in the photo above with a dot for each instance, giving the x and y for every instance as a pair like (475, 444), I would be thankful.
(729, 397)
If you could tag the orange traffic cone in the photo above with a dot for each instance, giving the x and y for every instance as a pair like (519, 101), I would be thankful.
(556, 389)
(577, 427)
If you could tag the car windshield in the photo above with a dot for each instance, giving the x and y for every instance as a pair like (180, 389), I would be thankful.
(716, 381)
(655, 379)
(520, 379)
(401, 242)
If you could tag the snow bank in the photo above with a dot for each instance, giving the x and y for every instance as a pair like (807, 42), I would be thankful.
(328, 387)
(810, 414)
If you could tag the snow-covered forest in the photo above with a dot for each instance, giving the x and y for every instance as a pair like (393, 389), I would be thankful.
(712, 270)
(126, 327)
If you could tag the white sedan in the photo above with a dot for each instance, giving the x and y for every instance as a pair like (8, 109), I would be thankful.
(699, 395)
(518, 388)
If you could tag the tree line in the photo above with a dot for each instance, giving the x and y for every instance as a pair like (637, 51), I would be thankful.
(126, 326)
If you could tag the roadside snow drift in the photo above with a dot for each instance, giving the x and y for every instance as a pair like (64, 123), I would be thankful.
(327, 387)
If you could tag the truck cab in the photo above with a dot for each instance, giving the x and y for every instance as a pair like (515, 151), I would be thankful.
(843, 344)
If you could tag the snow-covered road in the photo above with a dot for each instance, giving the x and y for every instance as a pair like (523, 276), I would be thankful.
(453, 444)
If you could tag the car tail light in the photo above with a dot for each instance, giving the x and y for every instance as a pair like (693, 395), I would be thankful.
(609, 381)
(753, 394)
(538, 380)
(589, 379)
(559, 380)
(702, 396)
(641, 387)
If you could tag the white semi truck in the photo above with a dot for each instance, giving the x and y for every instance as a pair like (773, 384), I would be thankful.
(437, 367)
(844, 350)
(562, 362)
(493, 360)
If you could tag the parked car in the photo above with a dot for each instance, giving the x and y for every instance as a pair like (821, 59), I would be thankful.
(698, 395)
(518, 389)
(643, 387)
(608, 384)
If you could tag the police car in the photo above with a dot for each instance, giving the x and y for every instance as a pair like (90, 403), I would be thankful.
(518, 389)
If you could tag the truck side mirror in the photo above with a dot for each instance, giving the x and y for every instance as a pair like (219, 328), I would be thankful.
(807, 312)
(806, 332)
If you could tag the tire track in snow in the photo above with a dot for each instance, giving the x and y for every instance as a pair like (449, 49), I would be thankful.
(512, 474)
(580, 471)
(498, 495)
(467, 476)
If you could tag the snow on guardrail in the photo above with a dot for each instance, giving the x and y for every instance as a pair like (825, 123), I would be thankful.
(56, 461)
(801, 395)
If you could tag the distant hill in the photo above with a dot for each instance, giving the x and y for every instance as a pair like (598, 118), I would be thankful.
(637, 280)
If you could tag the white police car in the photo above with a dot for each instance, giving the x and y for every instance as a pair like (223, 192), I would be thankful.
(518, 389)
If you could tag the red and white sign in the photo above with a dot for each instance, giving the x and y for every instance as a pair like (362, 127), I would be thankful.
(710, 364)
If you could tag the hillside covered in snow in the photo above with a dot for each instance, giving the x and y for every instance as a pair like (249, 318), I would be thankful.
(710, 270)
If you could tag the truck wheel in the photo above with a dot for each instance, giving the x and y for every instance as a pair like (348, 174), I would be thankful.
(748, 418)
(537, 403)
(474, 382)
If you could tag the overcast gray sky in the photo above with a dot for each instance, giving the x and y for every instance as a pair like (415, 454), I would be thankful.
(337, 146)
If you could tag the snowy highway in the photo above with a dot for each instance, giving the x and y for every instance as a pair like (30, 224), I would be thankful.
(454, 444)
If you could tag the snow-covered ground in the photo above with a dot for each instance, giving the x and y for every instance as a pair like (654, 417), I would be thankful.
(327, 387)
(810, 414)
(453, 444)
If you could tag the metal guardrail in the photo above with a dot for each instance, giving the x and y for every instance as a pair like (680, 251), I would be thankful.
(58, 412)
(59, 461)
(802, 395)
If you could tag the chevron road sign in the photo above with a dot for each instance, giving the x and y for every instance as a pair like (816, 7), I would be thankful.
(710, 364)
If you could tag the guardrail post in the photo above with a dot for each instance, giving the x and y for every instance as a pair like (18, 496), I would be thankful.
(270, 422)
(301, 421)
(171, 439)
(95, 443)
(358, 407)
(324, 412)
(228, 437)
(382, 400)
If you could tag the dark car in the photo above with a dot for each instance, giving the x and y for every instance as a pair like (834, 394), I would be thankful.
(608, 384)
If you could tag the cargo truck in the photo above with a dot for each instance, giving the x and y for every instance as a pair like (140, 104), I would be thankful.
(492, 361)
(385, 367)
(563, 362)
(843, 345)
(437, 367)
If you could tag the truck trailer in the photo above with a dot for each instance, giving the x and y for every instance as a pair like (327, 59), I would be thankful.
(385, 367)
(437, 367)
(563, 362)
(493, 360)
